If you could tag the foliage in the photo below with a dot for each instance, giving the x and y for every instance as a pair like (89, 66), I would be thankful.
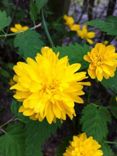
(107, 150)
(75, 52)
(12, 142)
(111, 83)
(36, 134)
(26, 137)
(4, 20)
(28, 43)
(109, 25)
(95, 121)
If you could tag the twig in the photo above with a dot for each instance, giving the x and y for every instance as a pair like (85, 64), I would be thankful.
(6, 123)
(13, 34)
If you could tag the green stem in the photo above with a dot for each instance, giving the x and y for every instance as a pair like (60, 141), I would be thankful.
(46, 30)
(111, 142)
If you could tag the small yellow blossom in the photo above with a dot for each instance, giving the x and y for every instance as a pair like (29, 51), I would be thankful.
(116, 98)
(103, 61)
(75, 27)
(83, 146)
(18, 28)
(69, 21)
(105, 42)
(48, 86)
(85, 34)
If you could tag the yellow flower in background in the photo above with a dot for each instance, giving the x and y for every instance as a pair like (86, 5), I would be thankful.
(85, 34)
(75, 27)
(48, 86)
(103, 61)
(18, 28)
(105, 42)
(116, 98)
(83, 146)
(69, 21)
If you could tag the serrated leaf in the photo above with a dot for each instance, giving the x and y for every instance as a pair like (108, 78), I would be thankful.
(12, 142)
(4, 20)
(109, 25)
(75, 52)
(28, 43)
(36, 135)
(40, 4)
(95, 121)
(111, 83)
(14, 109)
(107, 150)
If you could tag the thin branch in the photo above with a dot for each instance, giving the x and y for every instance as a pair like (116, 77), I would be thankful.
(6, 123)
(13, 34)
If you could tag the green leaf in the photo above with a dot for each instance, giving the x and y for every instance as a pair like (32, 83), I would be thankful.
(33, 11)
(113, 109)
(14, 109)
(36, 135)
(75, 52)
(4, 20)
(28, 43)
(109, 25)
(12, 142)
(95, 121)
(111, 83)
(40, 4)
(107, 150)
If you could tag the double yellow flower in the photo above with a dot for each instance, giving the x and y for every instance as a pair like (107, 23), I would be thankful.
(82, 32)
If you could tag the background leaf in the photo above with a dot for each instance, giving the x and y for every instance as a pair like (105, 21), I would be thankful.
(111, 83)
(28, 43)
(4, 20)
(14, 109)
(12, 143)
(36, 135)
(95, 121)
(107, 150)
(109, 25)
(75, 52)
(40, 4)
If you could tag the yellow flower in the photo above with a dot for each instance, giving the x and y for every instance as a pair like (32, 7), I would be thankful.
(75, 27)
(18, 28)
(69, 21)
(103, 61)
(83, 146)
(48, 86)
(116, 98)
(85, 34)
(105, 42)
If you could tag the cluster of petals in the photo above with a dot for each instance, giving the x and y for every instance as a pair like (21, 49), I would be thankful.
(83, 146)
(18, 28)
(86, 35)
(48, 86)
(69, 21)
(82, 32)
(103, 61)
